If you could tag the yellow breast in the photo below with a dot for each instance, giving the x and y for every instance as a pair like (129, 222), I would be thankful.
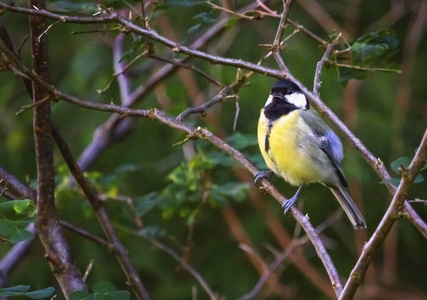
(284, 156)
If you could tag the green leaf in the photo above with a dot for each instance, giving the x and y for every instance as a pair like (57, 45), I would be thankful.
(21, 206)
(241, 141)
(6, 227)
(194, 28)
(40, 294)
(20, 235)
(393, 181)
(146, 203)
(419, 178)
(14, 290)
(103, 287)
(231, 23)
(152, 231)
(119, 295)
(102, 290)
(22, 290)
(401, 161)
(374, 45)
(79, 295)
(235, 191)
(72, 6)
(205, 17)
(185, 3)
(11, 208)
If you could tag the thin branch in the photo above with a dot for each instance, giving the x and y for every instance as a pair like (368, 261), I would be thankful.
(393, 212)
(119, 250)
(183, 65)
(151, 34)
(186, 266)
(120, 69)
(115, 127)
(280, 28)
(369, 69)
(287, 253)
(321, 16)
(214, 100)
(87, 234)
(321, 63)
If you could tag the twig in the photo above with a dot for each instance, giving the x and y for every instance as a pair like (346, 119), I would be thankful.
(151, 34)
(120, 69)
(370, 69)
(321, 63)
(110, 131)
(307, 32)
(86, 234)
(280, 28)
(32, 105)
(321, 16)
(214, 100)
(88, 270)
(181, 64)
(393, 212)
(119, 250)
(186, 266)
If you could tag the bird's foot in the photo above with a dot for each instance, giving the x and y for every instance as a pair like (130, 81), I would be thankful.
(288, 203)
(261, 175)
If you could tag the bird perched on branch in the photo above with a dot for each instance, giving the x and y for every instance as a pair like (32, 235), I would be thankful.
(299, 147)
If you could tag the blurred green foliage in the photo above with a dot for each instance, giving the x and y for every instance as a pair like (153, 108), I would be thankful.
(14, 218)
(146, 175)
(103, 290)
(23, 291)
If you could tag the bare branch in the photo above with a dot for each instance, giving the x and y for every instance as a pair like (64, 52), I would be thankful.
(321, 63)
(187, 267)
(120, 69)
(393, 212)
(47, 224)
(119, 250)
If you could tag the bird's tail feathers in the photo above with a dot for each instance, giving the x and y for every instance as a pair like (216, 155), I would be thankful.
(350, 208)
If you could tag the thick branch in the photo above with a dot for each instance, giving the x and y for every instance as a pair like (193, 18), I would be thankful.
(47, 223)
(393, 212)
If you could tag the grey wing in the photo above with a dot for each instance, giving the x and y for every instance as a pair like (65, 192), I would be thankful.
(329, 142)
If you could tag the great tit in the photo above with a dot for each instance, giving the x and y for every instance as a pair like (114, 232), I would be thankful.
(297, 145)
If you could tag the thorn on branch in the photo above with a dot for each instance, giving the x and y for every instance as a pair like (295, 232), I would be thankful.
(32, 105)
(189, 137)
(176, 49)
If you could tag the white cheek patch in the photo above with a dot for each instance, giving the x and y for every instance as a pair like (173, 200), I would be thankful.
(269, 100)
(297, 99)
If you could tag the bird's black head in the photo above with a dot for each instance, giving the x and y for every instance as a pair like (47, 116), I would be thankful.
(285, 87)
(285, 97)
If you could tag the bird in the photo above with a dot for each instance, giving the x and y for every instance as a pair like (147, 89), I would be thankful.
(298, 146)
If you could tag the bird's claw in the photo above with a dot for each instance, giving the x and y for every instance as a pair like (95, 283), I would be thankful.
(288, 203)
(261, 175)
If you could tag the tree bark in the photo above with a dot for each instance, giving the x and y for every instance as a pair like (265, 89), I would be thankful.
(47, 223)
